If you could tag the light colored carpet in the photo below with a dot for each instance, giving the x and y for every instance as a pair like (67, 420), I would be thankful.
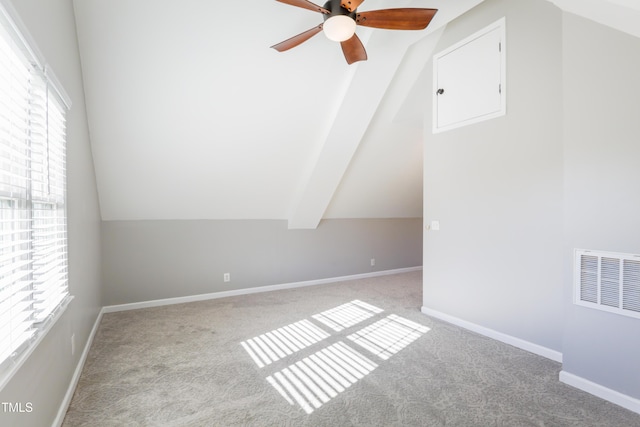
(277, 358)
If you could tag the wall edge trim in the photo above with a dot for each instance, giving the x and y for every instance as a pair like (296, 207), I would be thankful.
(66, 401)
(499, 336)
(254, 290)
(600, 391)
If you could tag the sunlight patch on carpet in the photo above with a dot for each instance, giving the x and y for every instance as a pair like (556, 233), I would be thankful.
(314, 380)
(347, 315)
(279, 343)
(388, 336)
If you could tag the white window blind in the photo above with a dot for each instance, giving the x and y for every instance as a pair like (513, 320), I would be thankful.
(33, 241)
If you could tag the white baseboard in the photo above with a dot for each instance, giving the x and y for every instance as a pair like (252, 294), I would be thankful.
(62, 411)
(600, 391)
(499, 336)
(247, 291)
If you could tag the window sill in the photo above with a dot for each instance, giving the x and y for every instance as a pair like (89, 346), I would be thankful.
(14, 364)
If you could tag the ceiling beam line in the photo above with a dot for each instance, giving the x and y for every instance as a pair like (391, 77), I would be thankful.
(358, 107)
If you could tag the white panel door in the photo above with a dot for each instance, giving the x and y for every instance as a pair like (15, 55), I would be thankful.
(469, 80)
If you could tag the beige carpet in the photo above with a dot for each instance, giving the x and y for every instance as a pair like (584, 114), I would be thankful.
(354, 353)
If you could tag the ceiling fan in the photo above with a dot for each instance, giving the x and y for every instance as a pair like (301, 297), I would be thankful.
(341, 18)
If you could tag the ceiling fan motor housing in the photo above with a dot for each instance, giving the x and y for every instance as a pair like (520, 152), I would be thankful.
(335, 8)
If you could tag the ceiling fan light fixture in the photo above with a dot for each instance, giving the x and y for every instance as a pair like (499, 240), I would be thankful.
(339, 28)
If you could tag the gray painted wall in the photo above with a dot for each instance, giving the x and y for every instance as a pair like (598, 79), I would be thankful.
(43, 380)
(516, 195)
(602, 200)
(496, 188)
(148, 260)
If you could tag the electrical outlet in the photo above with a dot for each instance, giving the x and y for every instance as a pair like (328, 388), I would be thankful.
(73, 344)
(227, 277)
(373, 262)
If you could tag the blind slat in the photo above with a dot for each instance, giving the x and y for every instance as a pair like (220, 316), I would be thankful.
(17, 288)
(9, 305)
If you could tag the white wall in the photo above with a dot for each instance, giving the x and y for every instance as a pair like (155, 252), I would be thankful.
(496, 188)
(602, 200)
(44, 378)
(516, 195)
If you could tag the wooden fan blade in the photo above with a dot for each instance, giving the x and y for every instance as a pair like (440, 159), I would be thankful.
(353, 50)
(306, 5)
(396, 19)
(351, 5)
(296, 40)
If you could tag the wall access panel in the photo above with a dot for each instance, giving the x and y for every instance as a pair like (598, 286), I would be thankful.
(469, 79)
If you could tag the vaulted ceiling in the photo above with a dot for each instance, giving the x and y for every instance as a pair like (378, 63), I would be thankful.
(192, 116)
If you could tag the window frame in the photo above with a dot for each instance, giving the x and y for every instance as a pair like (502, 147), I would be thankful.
(54, 222)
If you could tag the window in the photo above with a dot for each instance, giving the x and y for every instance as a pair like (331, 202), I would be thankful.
(33, 241)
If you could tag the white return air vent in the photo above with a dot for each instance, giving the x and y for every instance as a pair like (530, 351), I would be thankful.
(608, 281)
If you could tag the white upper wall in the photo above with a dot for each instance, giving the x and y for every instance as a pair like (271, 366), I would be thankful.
(186, 119)
(192, 116)
(623, 15)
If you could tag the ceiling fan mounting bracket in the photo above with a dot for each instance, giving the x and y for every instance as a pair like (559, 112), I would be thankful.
(335, 8)
(351, 5)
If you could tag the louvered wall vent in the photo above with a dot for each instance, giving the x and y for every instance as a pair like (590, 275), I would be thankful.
(608, 281)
